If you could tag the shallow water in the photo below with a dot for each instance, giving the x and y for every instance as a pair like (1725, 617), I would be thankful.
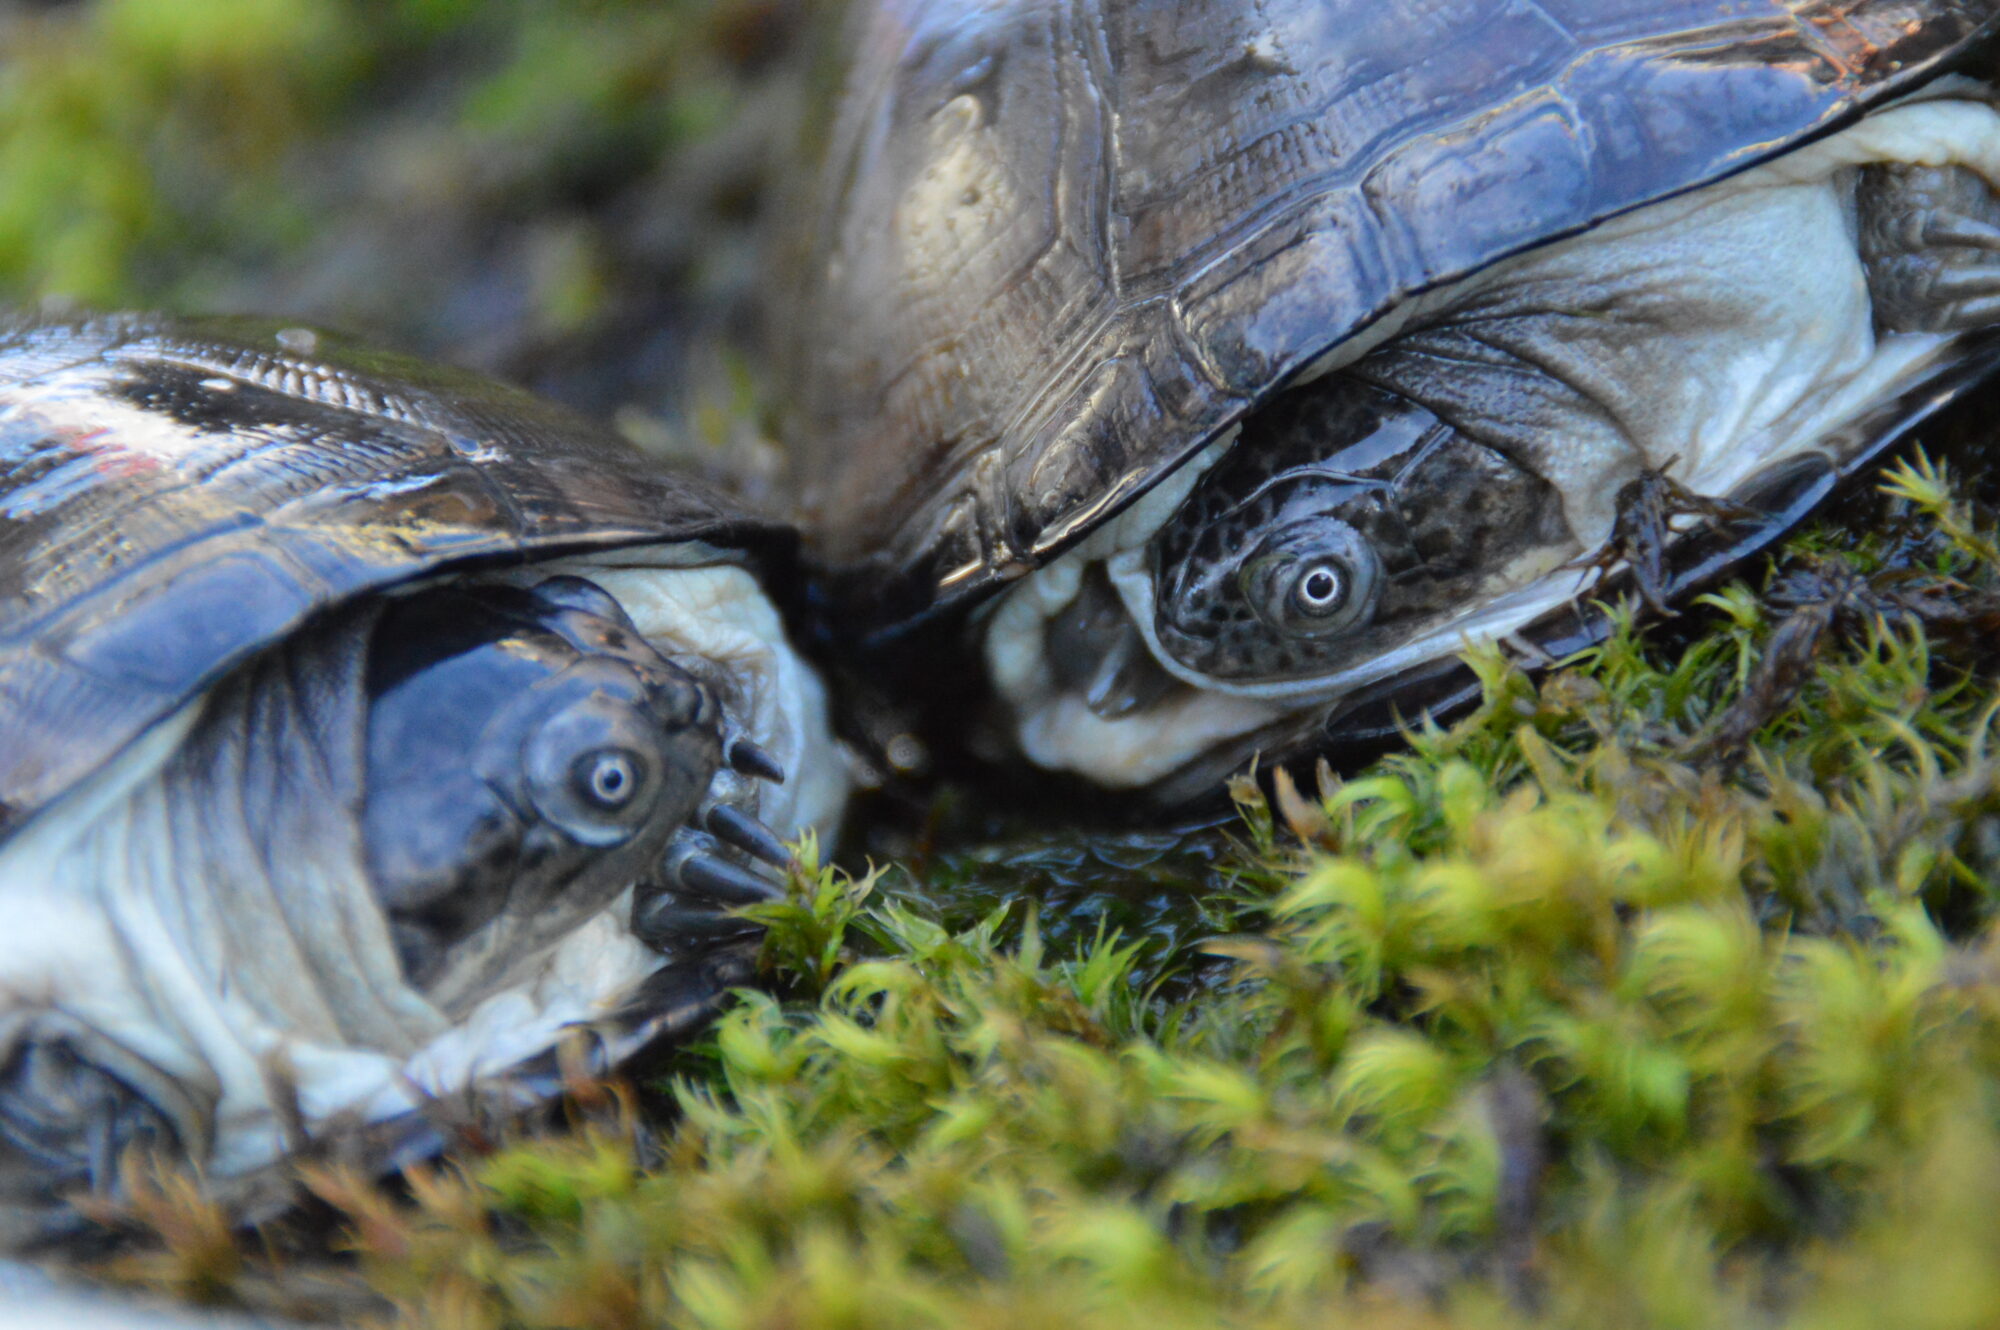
(1159, 887)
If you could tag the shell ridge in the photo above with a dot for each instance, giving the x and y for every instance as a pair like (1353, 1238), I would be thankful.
(1094, 49)
(321, 385)
(42, 629)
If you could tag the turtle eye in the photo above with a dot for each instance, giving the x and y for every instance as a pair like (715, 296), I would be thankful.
(1319, 590)
(609, 779)
(1313, 579)
(595, 768)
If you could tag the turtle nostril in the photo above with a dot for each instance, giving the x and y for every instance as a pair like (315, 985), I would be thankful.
(681, 702)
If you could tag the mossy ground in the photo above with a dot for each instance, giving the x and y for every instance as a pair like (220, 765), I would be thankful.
(1662, 990)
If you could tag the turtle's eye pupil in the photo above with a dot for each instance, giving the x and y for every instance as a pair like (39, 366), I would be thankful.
(609, 778)
(1312, 579)
(1321, 591)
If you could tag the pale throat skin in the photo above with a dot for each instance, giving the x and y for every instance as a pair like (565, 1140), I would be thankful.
(1708, 337)
(238, 965)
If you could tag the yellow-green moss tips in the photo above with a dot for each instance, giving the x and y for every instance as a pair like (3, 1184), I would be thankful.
(1561, 1017)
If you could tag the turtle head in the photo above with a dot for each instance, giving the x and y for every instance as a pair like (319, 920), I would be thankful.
(529, 754)
(1340, 533)
(1273, 581)
(1345, 521)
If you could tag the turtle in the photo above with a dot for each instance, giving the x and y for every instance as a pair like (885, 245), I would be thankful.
(379, 738)
(1201, 379)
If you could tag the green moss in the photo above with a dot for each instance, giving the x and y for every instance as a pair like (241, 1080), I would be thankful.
(129, 128)
(1564, 1016)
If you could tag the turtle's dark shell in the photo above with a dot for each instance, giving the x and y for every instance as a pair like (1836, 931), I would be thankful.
(179, 495)
(1055, 248)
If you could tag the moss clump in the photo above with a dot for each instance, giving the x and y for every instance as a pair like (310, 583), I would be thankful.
(1661, 991)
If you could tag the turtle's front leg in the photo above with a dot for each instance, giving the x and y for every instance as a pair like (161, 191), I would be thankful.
(66, 1123)
(1930, 242)
(1647, 508)
(704, 873)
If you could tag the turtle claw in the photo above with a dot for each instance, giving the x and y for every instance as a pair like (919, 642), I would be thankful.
(1647, 506)
(734, 827)
(1930, 243)
(664, 921)
(750, 759)
(718, 879)
(692, 905)
(695, 865)
(1955, 229)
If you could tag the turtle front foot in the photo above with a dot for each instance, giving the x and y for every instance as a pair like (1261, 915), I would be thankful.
(725, 858)
(67, 1123)
(1648, 506)
(1930, 241)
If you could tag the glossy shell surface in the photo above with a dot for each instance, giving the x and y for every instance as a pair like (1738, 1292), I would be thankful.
(179, 495)
(1054, 248)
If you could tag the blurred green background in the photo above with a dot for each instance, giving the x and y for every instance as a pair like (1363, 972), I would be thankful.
(565, 194)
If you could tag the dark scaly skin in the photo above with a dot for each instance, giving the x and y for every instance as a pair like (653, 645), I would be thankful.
(180, 494)
(1054, 248)
(1430, 512)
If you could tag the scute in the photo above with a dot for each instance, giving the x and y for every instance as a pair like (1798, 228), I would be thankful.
(1053, 248)
(134, 453)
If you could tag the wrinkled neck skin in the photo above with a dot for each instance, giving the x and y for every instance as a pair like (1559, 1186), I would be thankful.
(198, 919)
(1716, 335)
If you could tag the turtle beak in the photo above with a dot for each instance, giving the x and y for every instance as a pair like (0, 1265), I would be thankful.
(1095, 650)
